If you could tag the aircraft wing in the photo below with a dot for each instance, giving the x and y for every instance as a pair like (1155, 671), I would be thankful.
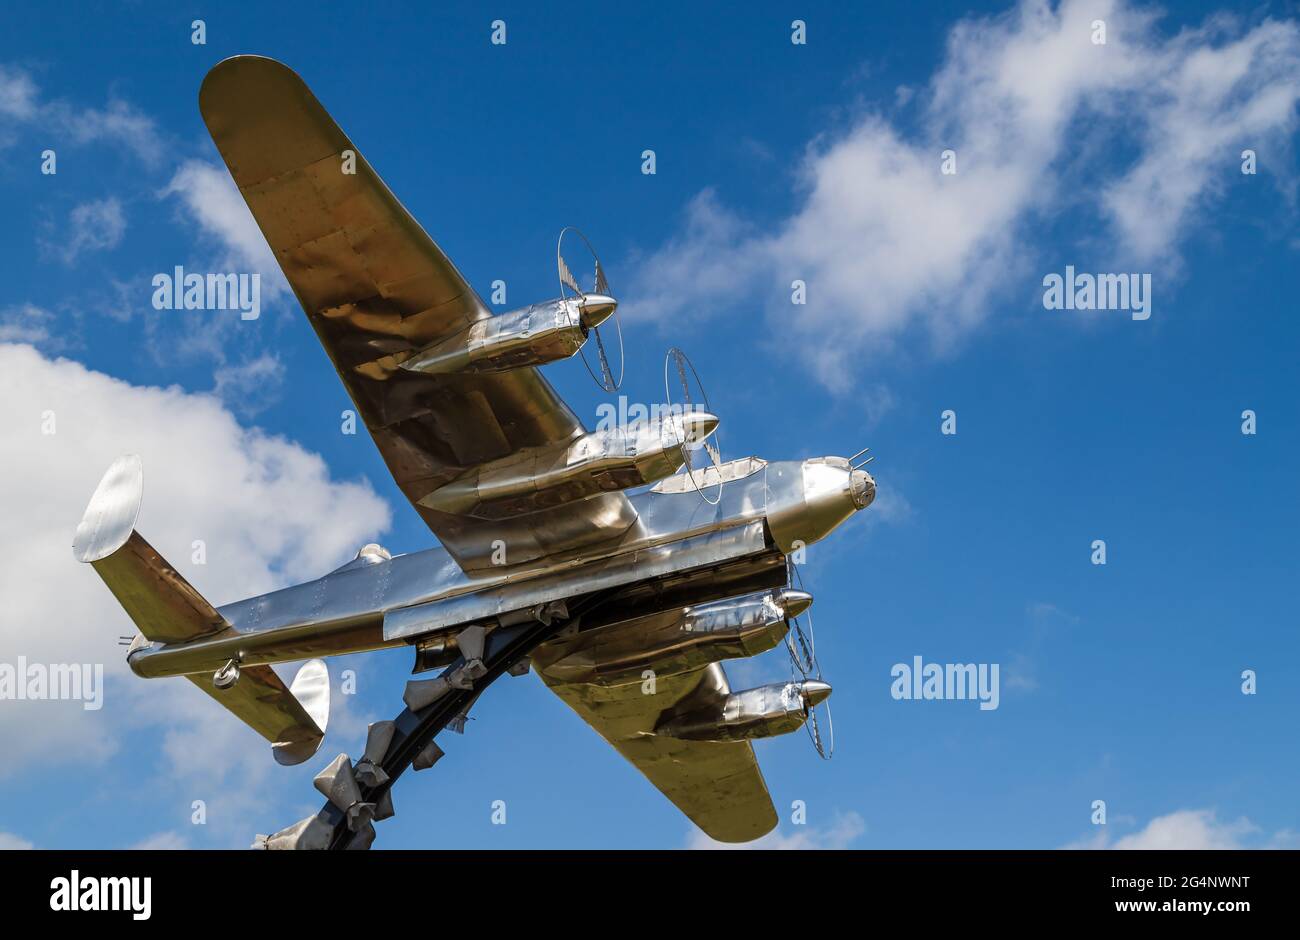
(377, 290)
(717, 784)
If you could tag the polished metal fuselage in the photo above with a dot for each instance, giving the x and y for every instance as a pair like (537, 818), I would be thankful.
(376, 603)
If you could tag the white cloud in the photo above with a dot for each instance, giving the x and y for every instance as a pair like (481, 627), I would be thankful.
(213, 204)
(210, 205)
(118, 123)
(1040, 118)
(891, 505)
(97, 225)
(1212, 103)
(877, 401)
(1189, 829)
(161, 840)
(8, 841)
(1046, 621)
(17, 94)
(842, 832)
(27, 323)
(266, 509)
(251, 386)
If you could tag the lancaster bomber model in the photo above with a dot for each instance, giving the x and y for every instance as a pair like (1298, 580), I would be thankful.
(624, 603)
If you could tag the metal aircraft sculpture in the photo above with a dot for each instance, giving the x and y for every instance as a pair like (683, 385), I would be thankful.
(623, 603)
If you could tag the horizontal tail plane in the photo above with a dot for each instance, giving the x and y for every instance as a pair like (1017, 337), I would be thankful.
(168, 610)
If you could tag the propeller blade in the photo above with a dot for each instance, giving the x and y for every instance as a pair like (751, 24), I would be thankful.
(566, 277)
(824, 748)
(606, 374)
(681, 377)
(602, 285)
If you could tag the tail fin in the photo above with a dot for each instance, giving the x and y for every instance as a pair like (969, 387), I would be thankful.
(162, 603)
(168, 610)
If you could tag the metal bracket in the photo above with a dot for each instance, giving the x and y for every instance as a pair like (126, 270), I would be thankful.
(358, 796)
(226, 677)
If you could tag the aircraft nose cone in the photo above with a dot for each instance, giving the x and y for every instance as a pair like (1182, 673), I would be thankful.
(596, 309)
(697, 425)
(815, 692)
(795, 602)
(862, 488)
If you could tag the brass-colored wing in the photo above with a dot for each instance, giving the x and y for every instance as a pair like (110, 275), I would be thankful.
(377, 289)
(717, 784)
(293, 720)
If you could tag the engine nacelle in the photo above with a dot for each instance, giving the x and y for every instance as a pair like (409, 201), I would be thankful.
(764, 712)
(672, 643)
(530, 336)
(538, 478)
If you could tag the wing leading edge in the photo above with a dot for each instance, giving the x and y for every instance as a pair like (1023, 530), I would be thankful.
(377, 290)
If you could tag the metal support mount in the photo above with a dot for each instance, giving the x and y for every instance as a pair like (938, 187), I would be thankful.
(358, 796)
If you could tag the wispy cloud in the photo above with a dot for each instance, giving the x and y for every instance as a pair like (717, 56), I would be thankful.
(28, 323)
(213, 205)
(97, 225)
(117, 123)
(228, 240)
(18, 94)
(10, 841)
(1189, 829)
(841, 833)
(161, 840)
(1046, 622)
(251, 386)
(1037, 114)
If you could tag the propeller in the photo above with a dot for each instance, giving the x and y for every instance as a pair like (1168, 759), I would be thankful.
(801, 643)
(691, 398)
(596, 305)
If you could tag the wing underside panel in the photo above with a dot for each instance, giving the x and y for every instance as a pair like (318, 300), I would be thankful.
(261, 700)
(717, 785)
(377, 290)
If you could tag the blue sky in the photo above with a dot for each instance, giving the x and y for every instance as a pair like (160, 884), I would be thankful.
(775, 161)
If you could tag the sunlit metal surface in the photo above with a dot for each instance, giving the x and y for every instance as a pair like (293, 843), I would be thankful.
(625, 602)
(533, 336)
(261, 700)
(163, 605)
(378, 292)
(718, 785)
(110, 516)
(346, 610)
(673, 641)
(625, 568)
(710, 476)
(539, 478)
(754, 713)
(813, 497)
